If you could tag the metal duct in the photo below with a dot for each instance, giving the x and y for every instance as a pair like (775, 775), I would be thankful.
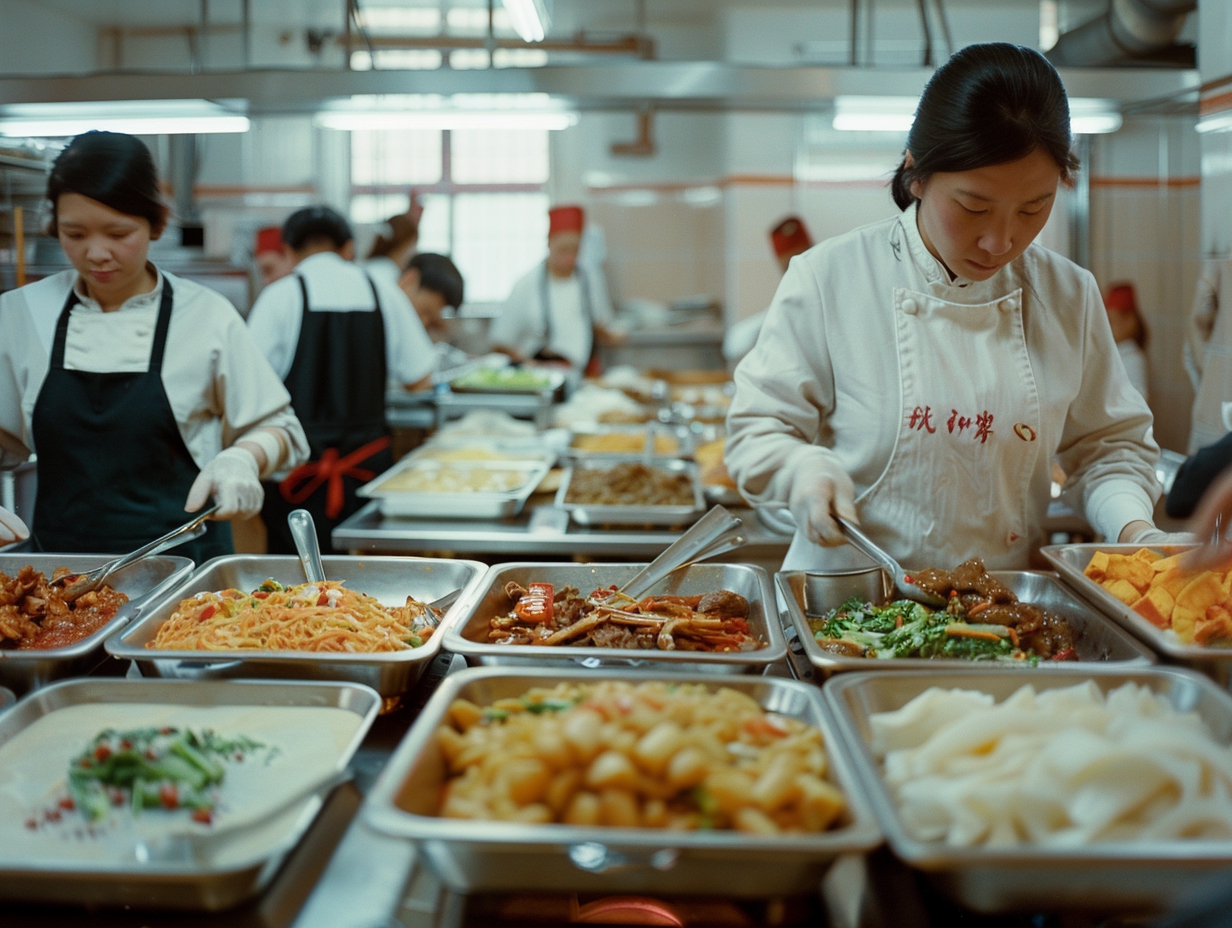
(1130, 32)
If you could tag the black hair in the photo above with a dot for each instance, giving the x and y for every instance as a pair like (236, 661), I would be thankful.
(989, 104)
(439, 274)
(316, 224)
(115, 169)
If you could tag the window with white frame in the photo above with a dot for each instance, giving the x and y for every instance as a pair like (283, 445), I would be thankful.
(482, 192)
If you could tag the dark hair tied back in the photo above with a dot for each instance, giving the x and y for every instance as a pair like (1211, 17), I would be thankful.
(115, 169)
(989, 104)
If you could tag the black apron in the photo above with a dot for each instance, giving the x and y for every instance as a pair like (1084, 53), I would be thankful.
(337, 386)
(546, 353)
(113, 470)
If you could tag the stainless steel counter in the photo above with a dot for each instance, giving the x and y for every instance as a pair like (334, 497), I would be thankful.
(429, 410)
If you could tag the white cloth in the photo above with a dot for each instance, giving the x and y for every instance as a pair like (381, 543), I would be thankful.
(742, 336)
(384, 270)
(217, 381)
(337, 285)
(523, 324)
(824, 382)
(1134, 359)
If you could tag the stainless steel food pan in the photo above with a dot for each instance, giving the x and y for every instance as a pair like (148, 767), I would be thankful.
(593, 514)
(476, 856)
(468, 635)
(477, 505)
(1108, 877)
(389, 579)
(141, 582)
(684, 438)
(1071, 560)
(179, 885)
(814, 594)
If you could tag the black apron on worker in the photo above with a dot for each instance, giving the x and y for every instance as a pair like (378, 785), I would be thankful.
(113, 469)
(337, 386)
(546, 353)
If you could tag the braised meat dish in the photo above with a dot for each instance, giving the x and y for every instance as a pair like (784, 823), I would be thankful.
(34, 615)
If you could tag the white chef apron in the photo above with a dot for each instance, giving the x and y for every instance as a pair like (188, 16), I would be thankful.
(956, 485)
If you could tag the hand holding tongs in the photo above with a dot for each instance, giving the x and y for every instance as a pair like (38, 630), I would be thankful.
(77, 585)
(714, 533)
(902, 580)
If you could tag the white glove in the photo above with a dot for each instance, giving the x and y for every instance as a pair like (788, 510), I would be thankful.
(1155, 536)
(234, 481)
(12, 528)
(816, 492)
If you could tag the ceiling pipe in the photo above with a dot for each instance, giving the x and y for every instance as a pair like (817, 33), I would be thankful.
(644, 145)
(1136, 32)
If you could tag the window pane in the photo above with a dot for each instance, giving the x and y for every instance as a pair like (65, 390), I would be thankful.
(498, 237)
(499, 156)
(369, 208)
(434, 224)
(396, 156)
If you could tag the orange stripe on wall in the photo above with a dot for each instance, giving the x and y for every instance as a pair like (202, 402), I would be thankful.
(1146, 181)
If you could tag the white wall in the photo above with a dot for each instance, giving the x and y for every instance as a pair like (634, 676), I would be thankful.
(24, 28)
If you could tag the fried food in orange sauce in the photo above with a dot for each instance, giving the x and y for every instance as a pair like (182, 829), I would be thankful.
(34, 615)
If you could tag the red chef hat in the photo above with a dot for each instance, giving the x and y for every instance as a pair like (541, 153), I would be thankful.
(269, 239)
(1121, 298)
(565, 219)
(790, 237)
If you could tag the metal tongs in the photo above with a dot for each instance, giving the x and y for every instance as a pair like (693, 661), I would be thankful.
(714, 533)
(902, 580)
(77, 585)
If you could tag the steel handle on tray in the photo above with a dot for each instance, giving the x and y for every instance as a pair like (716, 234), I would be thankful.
(594, 857)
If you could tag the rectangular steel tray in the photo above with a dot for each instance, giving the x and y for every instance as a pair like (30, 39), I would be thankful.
(592, 514)
(480, 856)
(1110, 877)
(141, 582)
(389, 579)
(173, 885)
(684, 438)
(553, 380)
(468, 634)
(457, 505)
(813, 594)
(1071, 560)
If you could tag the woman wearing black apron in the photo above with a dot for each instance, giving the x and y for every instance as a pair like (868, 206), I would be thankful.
(141, 392)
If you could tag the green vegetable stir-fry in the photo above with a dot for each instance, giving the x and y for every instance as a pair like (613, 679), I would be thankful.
(151, 768)
(514, 379)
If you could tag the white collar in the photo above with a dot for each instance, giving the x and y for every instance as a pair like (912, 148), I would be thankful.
(140, 301)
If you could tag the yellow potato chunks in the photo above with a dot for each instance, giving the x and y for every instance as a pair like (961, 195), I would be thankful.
(820, 803)
(776, 787)
(1097, 567)
(730, 789)
(1204, 591)
(1216, 625)
(1123, 590)
(657, 746)
(687, 768)
(618, 808)
(754, 821)
(1147, 555)
(1174, 579)
(1156, 607)
(583, 810)
(524, 779)
(1129, 568)
(1165, 564)
(611, 770)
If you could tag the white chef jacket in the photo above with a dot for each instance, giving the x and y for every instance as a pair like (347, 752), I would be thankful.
(1134, 359)
(523, 325)
(217, 382)
(383, 270)
(823, 380)
(338, 285)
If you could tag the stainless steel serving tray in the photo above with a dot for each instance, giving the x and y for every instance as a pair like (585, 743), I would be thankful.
(1071, 560)
(480, 856)
(141, 582)
(552, 380)
(477, 505)
(389, 579)
(813, 594)
(170, 885)
(468, 634)
(1108, 877)
(681, 434)
(592, 514)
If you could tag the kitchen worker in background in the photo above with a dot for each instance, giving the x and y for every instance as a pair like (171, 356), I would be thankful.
(142, 393)
(394, 245)
(1208, 352)
(1129, 333)
(560, 310)
(335, 335)
(788, 239)
(432, 283)
(12, 528)
(273, 260)
(918, 374)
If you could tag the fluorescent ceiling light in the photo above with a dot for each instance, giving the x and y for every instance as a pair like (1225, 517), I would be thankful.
(874, 114)
(531, 19)
(136, 117)
(1219, 122)
(1093, 116)
(444, 119)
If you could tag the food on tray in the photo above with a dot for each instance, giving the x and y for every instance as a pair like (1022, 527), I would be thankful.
(623, 443)
(983, 620)
(153, 768)
(1059, 768)
(34, 615)
(445, 479)
(463, 455)
(709, 458)
(1197, 606)
(652, 755)
(544, 615)
(308, 617)
(503, 379)
(630, 484)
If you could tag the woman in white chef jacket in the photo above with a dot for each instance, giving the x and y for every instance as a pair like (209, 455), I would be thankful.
(141, 392)
(922, 371)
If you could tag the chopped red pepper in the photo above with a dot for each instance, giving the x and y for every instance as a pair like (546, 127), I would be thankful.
(537, 606)
(101, 753)
(67, 803)
(323, 600)
(204, 816)
(260, 595)
(1067, 655)
(169, 796)
(208, 612)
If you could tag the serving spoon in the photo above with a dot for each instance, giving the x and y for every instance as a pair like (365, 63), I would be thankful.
(903, 581)
(714, 533)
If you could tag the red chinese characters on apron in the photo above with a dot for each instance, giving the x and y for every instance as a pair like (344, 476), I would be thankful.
(957, 481)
